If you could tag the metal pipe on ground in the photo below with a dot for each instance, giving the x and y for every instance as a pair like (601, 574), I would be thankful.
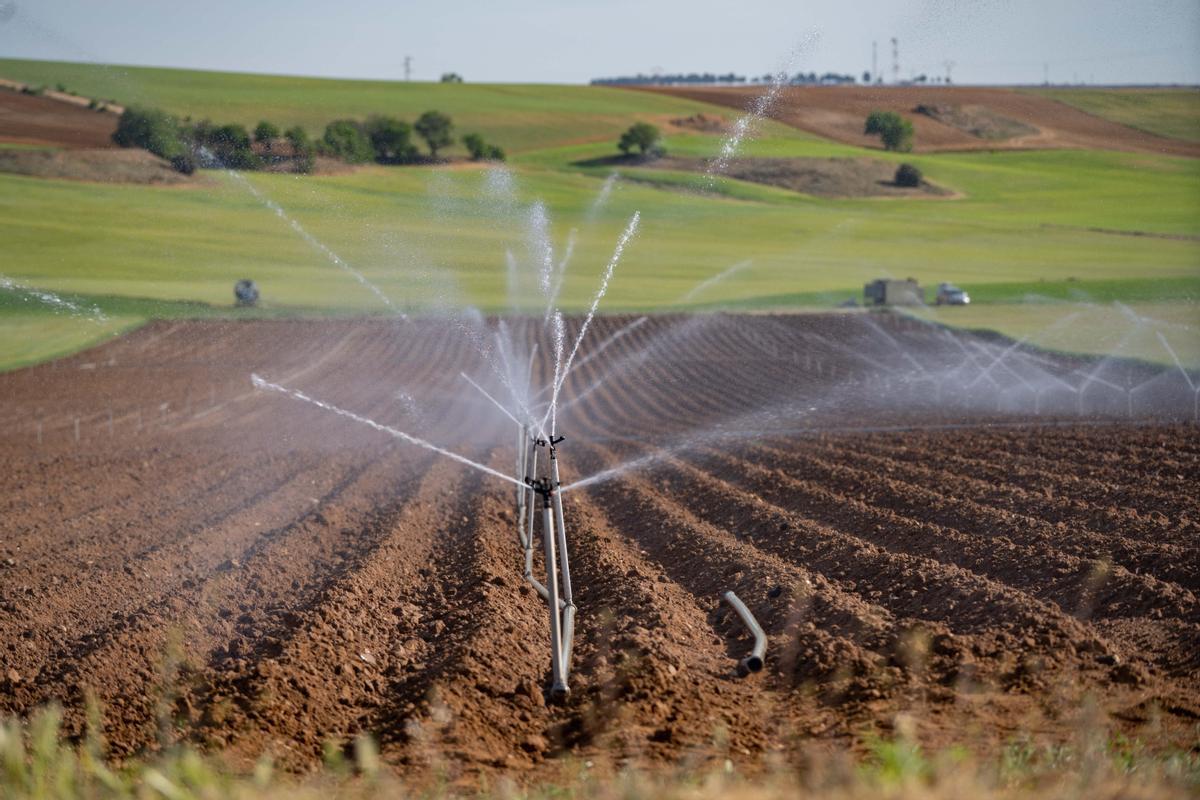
(754, 661)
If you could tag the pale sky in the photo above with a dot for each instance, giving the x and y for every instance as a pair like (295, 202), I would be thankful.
(572, 41)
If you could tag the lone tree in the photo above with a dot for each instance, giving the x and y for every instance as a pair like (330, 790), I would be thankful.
(642, 135)
(436, 129)
(908, 175)
(391, 139)
(895, 131)
(451, 77)
(265, 132)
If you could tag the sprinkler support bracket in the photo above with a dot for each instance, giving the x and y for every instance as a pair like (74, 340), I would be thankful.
(558, 568)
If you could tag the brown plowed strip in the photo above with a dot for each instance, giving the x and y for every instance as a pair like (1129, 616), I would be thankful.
(839, 113)
(29, 119)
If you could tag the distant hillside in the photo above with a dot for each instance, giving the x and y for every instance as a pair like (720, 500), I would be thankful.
(1174, 113)
(517, 117)
(839, 112)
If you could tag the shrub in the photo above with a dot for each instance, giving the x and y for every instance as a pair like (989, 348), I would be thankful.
(391, 139)
(185, 163)
(642, 135)
(298, 138)
(908, 175)
(345, 139)
(480, 150)
(436, 129)
(149, 129)
(231, 145)
(451, 77)
(265, 131)
(895, 131)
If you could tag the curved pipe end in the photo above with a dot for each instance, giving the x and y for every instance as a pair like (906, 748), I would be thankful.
(750, 664)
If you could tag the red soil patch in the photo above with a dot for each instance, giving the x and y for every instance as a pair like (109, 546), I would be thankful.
(29, 119)
(838, 113)
(247, 572)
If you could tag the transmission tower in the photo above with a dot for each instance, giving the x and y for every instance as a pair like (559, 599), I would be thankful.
(875, 61)
(949, 65)
(895, 60)
(408, 68)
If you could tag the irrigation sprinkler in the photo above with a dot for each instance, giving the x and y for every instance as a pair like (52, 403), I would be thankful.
(562, 609)
(754, 661)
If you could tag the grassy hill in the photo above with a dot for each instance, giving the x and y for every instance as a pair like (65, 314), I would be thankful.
(1167, 112)
(1058, 227)
(518, 117)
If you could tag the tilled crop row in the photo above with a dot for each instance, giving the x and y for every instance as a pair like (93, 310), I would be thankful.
(247, 572)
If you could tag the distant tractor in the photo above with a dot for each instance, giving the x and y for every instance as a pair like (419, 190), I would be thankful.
(950, 295)
(885, 292)
(246, 293)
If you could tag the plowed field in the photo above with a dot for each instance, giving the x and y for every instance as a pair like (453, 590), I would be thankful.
(838, 113)
(236, 568)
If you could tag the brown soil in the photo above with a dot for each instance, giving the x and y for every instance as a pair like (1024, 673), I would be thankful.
(824, 177)
(29, 119)
(978, 121)
(839, 112)
(104, 166)
(705, 123)
(241, 570)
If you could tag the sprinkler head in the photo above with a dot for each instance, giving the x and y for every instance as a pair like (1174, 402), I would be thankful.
(543, 486)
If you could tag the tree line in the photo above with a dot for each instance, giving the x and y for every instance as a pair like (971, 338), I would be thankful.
(380, 138)
(799, 79)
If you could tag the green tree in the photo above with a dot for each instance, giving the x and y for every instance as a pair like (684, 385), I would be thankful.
(451, 77)
(436, 129)
(265, 132)
(302, 147)
(642, 135)
(231, 145)
(908, 175)
(895, 131)
(480, 150)
(391, 139)
(345, 139)
(149, 129)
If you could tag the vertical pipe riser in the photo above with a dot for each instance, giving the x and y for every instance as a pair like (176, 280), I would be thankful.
(556, 663)
(565, 567)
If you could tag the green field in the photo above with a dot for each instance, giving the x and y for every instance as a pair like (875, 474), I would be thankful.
(1069, 226)
(519, 117)
(1174, 113)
